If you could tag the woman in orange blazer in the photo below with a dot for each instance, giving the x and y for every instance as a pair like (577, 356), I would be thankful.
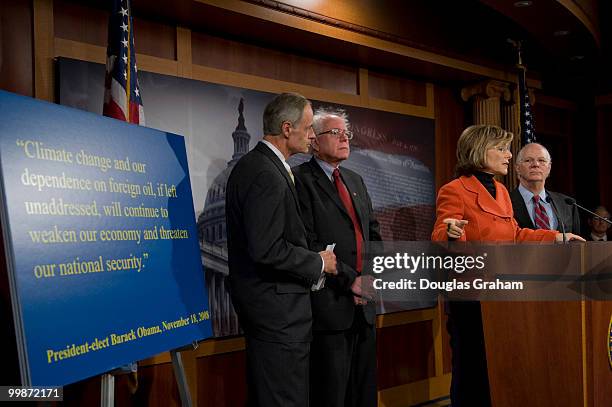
(475, 207)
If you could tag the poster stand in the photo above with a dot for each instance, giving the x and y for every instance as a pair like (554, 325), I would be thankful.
(107, 384)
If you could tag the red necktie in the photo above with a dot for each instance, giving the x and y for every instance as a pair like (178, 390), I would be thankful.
(345, 197)
(541, 218)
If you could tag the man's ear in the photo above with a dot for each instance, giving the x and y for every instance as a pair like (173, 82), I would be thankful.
(286, 129)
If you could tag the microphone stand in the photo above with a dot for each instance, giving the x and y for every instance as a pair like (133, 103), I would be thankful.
(571, 201)
(554, 207)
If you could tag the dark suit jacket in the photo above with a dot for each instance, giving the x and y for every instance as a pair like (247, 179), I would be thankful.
(327, 221)
(568, 214)
(271, 269)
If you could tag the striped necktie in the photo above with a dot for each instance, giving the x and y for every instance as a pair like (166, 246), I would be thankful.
(540, 216)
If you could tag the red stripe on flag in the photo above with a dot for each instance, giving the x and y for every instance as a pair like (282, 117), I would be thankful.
(134, 113)
(112, 109)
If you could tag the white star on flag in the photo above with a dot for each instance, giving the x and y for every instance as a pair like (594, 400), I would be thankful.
(122, 97)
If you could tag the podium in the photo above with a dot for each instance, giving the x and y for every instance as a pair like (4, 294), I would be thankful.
(543, 354)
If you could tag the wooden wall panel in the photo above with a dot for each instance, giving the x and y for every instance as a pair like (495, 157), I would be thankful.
(396, 88)
(405, 354)
(156, 388)
(239, 57)
(451, 119)
(16, 47)
(155, 39)
(90, 25)
(80, 23)
(83, 393)
(221, 380)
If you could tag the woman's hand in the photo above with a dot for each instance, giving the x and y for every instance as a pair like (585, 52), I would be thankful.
(568, 237)
(454, 227)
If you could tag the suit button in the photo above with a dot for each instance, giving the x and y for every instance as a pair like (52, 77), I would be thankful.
(507, 219)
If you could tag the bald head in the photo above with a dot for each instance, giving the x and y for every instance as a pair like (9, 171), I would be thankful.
(533, 166)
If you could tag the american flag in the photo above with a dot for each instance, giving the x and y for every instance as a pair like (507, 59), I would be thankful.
(527, 124)
(122, 98)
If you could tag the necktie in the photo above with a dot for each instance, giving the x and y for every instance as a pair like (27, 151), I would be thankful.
(541, 218)
(345, 197)
(291, 175)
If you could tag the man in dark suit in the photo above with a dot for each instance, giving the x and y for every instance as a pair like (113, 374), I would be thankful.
(598, 229)
(271, 268)
(336, 208)
(534, 206)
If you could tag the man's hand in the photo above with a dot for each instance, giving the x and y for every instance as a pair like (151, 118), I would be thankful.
(329, 258)
(363, 288)
(454, 227)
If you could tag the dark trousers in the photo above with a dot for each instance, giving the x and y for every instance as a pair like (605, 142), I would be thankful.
(470, 381)
(277, 373)
(343, 366)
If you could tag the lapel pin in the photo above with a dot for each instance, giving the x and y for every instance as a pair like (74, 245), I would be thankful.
(354, 193)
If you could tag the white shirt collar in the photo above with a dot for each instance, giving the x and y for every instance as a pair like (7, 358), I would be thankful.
(596, 238)
(528, 195)
(276, 151)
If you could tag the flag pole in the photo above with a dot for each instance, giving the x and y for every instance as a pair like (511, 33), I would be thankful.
(526, 122)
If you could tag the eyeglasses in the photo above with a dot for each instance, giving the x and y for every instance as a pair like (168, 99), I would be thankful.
(539, 161)
(337, 133)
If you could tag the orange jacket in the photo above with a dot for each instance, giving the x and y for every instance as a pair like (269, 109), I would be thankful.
(489, 220)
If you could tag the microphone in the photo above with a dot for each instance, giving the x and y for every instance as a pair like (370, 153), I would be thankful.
(554, 207)
(571, 201)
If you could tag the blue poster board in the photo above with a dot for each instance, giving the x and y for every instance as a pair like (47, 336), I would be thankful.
(102, 249)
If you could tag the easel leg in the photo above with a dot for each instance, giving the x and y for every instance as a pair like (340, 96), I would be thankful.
(181, 379)
(107, 390)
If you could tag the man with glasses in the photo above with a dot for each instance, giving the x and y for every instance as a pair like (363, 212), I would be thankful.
(598, 227)
(271, 268)
(336, 208)
(534, 206)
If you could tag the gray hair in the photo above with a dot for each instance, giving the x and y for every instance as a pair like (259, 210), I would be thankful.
(519, 155)
(286, 107)
(323, 113)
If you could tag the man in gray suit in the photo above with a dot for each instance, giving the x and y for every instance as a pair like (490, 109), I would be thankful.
(534, 206)
(271, 269)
